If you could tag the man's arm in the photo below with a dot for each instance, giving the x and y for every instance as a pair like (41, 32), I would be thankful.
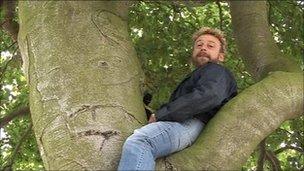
(211, 89)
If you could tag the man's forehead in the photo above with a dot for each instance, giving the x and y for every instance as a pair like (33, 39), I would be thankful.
(207, 38)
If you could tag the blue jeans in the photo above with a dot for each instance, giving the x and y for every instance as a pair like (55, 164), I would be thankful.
(156, 140)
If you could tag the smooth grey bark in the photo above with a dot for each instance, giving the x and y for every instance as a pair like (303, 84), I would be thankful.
(232, 135)
(85, 97)
(255, 42)
(84, 80)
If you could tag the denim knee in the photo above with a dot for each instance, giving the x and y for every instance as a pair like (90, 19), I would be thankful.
(138, 140)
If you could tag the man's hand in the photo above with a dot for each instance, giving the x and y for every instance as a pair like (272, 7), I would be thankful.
(152, 118)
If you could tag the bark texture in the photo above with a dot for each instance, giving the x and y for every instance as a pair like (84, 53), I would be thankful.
(255, 42)
(85, 96)
(232, 135)
(84, 80)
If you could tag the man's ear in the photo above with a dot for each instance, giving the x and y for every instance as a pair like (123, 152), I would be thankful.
(221, 57)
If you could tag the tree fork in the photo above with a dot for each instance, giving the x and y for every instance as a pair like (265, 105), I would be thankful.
(255, 42)
(91, 62)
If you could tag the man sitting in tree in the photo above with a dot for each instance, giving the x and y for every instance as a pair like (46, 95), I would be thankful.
(177, 124)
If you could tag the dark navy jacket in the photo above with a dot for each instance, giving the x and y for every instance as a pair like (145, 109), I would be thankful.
(201, 94)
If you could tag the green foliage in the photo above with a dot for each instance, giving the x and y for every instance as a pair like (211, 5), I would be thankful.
(286, 21)
(161, 33)
(13, 94)
(164, 52)
(290, 133)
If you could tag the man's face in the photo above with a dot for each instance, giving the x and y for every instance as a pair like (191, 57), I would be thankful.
(206, 49)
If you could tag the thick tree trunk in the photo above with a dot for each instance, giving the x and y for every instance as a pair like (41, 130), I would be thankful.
(85, 97)
(84, 80)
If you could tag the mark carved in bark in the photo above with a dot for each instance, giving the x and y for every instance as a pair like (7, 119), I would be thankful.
(105, 134)
(93, 108)
(101, 20)
(100, 30)
(133, 117)
(53, 69)
(103, 64)
(85, 108)
(63, 167)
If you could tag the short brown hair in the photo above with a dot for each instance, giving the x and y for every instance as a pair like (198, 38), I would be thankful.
(214, 32)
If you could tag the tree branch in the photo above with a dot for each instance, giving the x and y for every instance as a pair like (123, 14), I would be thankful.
(3, 69)
(22, 111)
(260, 163)
(11, 45)
(284, 130)
(1, 3)
(275, 163)
(280, 150)
(273, 100)
(269, 13)
(9, 25)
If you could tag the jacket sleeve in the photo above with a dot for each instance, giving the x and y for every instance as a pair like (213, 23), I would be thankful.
(210, 90)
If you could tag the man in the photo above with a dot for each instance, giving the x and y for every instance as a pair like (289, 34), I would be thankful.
(177, 124)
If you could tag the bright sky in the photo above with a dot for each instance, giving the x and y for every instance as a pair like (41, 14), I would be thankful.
(2, 134)
(5, 54)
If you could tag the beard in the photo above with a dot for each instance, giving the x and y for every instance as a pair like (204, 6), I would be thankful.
(203, 55)
(200, 59)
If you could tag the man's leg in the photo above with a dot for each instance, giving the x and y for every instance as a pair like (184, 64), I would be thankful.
(156, 140)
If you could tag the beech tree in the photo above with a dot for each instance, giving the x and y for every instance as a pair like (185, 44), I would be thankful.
(86, 85)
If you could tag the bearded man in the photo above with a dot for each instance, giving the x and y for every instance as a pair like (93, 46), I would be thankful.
(178, 123)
